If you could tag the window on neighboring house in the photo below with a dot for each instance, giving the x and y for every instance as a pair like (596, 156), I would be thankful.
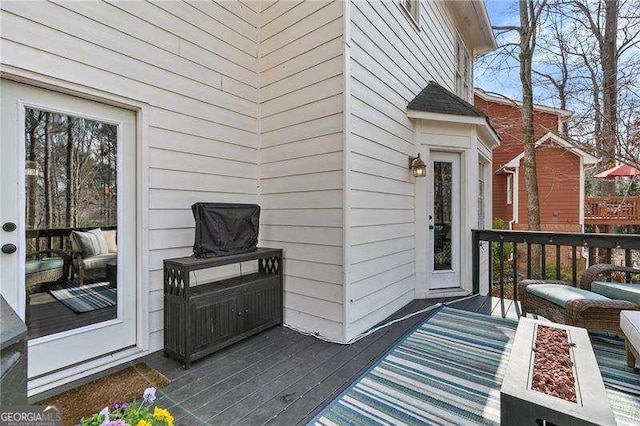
(413, 8)
(509, 189)
(481, 193)
(463, 71)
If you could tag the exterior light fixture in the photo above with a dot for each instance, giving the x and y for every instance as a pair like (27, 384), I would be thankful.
(31, 168)
(417, 166)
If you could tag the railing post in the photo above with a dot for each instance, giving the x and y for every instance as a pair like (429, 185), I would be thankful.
(475, 261)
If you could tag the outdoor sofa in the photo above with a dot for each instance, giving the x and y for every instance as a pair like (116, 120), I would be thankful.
(594, 305)
(46, 267)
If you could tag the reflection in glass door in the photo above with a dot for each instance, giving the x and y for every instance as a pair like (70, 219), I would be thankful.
(444, 220)
(71, 221)
(442, 190)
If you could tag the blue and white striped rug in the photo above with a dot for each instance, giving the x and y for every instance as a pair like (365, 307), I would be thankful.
(449, 371)
(87, 297)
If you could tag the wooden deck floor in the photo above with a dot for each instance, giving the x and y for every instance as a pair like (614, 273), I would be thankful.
(48, 316)
(282, 377)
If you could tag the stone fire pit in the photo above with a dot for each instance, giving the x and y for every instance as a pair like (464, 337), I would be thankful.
(522, 405)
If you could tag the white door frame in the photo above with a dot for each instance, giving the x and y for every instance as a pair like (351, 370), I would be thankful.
(450, 278)
(141, 109)
(423, 236)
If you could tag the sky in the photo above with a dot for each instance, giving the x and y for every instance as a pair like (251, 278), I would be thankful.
(501, 12)
(506, 81)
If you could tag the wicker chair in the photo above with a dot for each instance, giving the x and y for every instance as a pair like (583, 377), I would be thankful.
(594, 315)
(42, 271)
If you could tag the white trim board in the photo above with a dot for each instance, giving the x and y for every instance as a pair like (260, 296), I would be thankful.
(587, 158)
(486, 131)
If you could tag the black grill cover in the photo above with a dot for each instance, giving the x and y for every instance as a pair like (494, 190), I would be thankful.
(223, 229)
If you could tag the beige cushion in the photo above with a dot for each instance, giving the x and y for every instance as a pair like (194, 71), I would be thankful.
(110, 238)
(90, 243)
(99, 261)
(630, 325)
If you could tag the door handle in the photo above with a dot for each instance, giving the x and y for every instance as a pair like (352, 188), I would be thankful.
(9, 227)
(9, 248)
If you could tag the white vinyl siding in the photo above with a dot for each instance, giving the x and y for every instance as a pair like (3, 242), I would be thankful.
(195, 64)
(301, 160)
(390, 64)
(247, 103)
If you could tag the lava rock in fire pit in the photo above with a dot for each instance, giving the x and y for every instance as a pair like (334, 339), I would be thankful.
(552, 365)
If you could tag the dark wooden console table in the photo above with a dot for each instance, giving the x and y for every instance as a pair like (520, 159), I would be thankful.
(204, 318)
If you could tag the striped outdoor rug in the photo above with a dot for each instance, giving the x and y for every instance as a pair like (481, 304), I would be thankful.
(86, 298)
(449, 371)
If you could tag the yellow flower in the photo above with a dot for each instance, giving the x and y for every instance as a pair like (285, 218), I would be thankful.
(143, 422)
(162, 414)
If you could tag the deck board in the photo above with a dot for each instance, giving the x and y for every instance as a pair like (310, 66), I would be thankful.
(267, 387)
(282, 377)
(48, 316)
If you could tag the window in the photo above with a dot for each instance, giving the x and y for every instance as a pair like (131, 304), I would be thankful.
(509, 189)
(413, 8)
(481, 186)
(463, 71)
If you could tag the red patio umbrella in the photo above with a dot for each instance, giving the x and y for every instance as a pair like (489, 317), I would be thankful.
(621, 170)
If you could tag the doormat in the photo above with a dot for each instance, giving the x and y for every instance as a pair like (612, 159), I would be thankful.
(90, 398)
(86, 298)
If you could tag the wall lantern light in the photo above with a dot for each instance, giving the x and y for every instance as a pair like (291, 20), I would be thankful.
(417, 166)
(31, 168)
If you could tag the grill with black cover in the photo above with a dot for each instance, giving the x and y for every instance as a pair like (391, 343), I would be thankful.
(223, 229)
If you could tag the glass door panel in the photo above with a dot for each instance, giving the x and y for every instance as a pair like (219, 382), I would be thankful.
(442, 201)
(71, 185)
(443, 198)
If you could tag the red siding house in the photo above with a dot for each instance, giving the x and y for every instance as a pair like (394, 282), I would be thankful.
(560, 166)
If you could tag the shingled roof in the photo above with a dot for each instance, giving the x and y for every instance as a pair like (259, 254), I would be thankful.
(435, 98)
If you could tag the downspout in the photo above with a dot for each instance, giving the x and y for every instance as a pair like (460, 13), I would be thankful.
(583, 195)
(514, 208)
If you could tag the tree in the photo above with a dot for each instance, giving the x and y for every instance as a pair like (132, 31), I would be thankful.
(529, 15)
(530, 12)
(606, 38)
(598, 46)
(33, 122)
(555, 67)
(69, 169)
(46, 169)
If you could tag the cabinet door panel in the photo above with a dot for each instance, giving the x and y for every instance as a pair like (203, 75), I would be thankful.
(261, 303)
(213, 320)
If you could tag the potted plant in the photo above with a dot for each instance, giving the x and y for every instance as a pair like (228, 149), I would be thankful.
(134, 413)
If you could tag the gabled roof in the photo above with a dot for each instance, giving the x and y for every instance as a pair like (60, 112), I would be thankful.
(587, 158)
(563, 113)
(437, 99)
(435, 102)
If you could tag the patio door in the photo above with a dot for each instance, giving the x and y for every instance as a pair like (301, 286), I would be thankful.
(68, 164)
(443, 198)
